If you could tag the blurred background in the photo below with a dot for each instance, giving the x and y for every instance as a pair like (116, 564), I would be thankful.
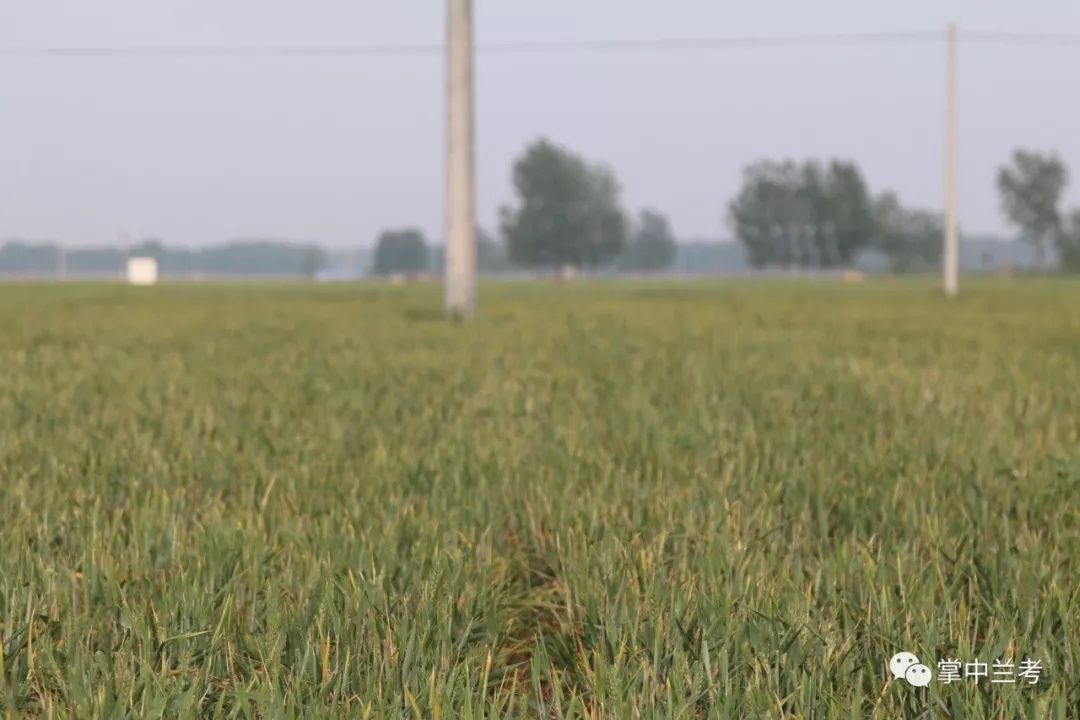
(269, 139)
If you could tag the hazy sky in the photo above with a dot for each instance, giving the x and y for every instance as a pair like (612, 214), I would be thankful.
(196, 151)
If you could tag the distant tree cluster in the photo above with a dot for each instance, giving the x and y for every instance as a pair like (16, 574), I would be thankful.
(236, 258)
(491, 255)
(910, 239)
(652, 245)
(258, 257)
(401, 252)
(1030, 187)
(25, 258)
(813, 214)
(568, 213)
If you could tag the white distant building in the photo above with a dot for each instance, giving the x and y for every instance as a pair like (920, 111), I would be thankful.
(142, 270)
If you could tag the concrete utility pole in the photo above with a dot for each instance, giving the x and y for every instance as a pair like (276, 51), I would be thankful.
(460, 234)
(951, 259)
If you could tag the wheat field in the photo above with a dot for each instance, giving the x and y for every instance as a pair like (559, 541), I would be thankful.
(602, 499)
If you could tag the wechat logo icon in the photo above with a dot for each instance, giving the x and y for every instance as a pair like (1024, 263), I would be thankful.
(906, 666)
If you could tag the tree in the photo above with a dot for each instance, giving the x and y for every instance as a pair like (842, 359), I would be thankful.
(149, 247)
(652, 246)
(490, 253)
(767, 214)
(910, 239)
(251, 257)
(18, 256)
(401, 251)
(568, 212)
(805, 215)
(314, 260)
(1030, 190)
(1068, 242)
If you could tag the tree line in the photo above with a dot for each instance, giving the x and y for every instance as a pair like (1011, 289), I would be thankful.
(568, 212)
(809, 214)
(262, 257)
(812, 214)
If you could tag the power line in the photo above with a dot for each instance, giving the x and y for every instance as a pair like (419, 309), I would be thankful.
(1012, 38)
(654, 45)
(724, 42)
(437, 49)
(214, 51)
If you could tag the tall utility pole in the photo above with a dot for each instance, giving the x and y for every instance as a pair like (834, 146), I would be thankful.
(460, 258)
(951, 259)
